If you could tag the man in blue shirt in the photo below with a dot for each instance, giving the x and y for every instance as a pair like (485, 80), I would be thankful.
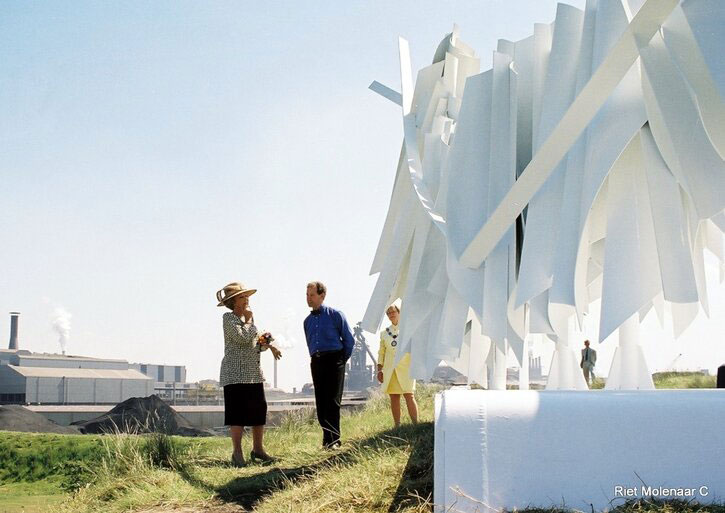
(330, 342)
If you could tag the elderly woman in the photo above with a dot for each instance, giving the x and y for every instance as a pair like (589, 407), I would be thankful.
(241, 375)
(396, 380)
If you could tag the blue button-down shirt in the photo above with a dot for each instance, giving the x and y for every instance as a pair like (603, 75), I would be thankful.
(326, 329)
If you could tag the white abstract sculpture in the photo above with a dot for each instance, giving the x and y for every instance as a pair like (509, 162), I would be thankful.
(586, 164)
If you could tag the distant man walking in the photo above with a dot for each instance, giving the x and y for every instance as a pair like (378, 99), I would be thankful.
(330, 342)
(589, 360)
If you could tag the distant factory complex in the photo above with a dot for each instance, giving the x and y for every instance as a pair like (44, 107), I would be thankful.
(41, 378)
(51, 379)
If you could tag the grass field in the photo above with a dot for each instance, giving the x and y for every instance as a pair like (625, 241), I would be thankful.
(683, 380)
(30, 497)
(378, 469)
(674, 380)
(40, 470)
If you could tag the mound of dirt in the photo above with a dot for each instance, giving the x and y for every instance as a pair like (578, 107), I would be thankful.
(142, 415)
(17, 418)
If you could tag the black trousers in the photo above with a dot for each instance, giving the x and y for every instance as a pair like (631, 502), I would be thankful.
(328, 376)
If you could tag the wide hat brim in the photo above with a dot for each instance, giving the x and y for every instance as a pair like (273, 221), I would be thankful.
(243, 292)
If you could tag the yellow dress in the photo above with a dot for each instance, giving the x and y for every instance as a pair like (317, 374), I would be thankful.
(396, 380)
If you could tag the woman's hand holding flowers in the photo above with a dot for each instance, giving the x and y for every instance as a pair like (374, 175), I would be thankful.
(265, 340)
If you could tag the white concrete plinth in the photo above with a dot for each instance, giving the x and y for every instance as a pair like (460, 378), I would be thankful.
(629, 369)
(515, 449)
(564, 372)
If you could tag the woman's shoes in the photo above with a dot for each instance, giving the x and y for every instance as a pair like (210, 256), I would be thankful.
(238, 461)
(263, 457)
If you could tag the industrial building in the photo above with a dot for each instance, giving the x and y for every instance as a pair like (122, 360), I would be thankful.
(170, 380)
(162, 373)
(360, 375)
(42, 378)
(57, 385)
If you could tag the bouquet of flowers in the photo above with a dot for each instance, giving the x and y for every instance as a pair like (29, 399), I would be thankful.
(265, 341)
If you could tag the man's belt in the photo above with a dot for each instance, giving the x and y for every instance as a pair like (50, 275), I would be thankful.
(318, 354)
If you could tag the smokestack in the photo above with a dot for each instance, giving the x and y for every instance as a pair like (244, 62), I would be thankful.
(275, 373)
(14, 330)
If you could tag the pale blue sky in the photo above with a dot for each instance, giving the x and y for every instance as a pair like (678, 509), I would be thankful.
(151, 152)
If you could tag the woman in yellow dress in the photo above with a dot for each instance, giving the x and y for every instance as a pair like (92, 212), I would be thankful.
(395, 380)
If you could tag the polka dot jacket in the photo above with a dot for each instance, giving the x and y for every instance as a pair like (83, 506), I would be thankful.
(241, 352)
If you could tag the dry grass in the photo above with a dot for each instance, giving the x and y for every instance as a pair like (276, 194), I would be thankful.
(673, 380)
(377, 469)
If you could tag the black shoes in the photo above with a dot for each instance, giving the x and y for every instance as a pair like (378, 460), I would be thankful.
(239, 462)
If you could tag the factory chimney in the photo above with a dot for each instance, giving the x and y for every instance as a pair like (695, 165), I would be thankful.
(275, 373)
(14, 330)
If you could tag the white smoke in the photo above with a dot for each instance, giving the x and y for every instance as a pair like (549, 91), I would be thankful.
(284, 340)
(60, 320)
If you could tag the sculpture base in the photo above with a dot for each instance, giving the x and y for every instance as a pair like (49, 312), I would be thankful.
(517, 449)
(565, 373)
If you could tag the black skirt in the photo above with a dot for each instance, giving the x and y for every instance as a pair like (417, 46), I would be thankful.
(245, 405)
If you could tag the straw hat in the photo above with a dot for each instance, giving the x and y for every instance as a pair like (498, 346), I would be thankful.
(234, 289)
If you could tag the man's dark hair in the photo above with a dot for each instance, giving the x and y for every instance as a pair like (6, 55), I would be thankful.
(319, 286)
